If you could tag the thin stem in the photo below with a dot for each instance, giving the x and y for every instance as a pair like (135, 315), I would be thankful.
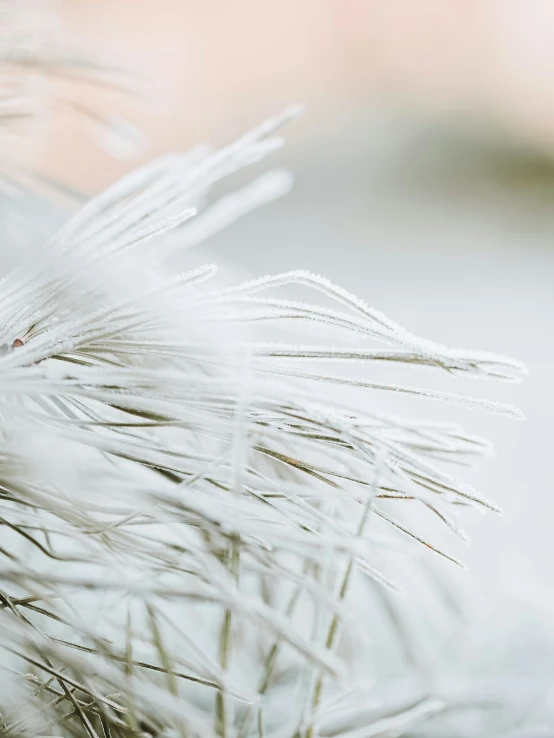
(233, 557)
(333, 627)
(268, 667)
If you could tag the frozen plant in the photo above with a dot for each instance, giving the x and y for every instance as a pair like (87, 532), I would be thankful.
(194, 515)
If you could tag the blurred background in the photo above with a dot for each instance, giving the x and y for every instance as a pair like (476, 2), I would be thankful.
(424, 183)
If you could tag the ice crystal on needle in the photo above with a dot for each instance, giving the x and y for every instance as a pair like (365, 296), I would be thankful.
(187, 514)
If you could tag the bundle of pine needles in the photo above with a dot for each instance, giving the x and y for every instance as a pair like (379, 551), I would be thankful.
(194, 515)
(188, 510)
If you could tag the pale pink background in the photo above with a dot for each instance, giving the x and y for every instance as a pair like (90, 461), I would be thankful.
(217, 67)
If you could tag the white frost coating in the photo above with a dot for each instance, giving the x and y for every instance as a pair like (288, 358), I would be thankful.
(475, 363)
(192, 514)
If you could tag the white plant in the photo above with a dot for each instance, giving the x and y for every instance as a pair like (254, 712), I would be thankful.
(188, 503)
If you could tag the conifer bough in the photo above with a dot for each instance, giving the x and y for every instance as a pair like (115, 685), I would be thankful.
(192, 514)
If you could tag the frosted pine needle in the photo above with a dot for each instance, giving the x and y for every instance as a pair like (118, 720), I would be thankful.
(191, 522)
